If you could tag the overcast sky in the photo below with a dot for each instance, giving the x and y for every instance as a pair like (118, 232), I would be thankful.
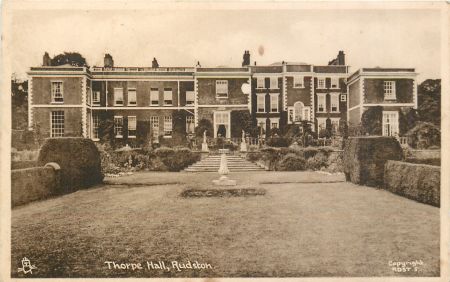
(387, 38)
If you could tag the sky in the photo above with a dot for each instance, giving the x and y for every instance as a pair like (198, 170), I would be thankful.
(369, 38)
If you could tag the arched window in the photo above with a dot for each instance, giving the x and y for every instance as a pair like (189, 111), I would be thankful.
(298, 111)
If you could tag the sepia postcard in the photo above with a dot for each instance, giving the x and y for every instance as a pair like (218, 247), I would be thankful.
(212, 141)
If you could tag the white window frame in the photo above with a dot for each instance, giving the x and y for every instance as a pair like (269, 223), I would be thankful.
(132, 125)
(274, 121)
(168, 126)
(132, 102)
(260, 82)
(306, 115)
(96, 98)
(321, 121)
(334, 81)
(334, 130)
(321, 80)
(190, 102)
(57, 127)
(118, 126)
(154, 125)
(335, 97)
(166, 93)
(343, 97)
(95, 126)
(274, 98)
(190, 120)
(274, 82)
(258, 98)
(299, 82)
(390, 123)
(222, 89)
(263, 122)
(321, 96)
(298, 114)
(153, 92)
(389, 90)
(118, 91)
(54, 91)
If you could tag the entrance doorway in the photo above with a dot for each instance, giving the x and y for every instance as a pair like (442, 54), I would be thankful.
(222, 124)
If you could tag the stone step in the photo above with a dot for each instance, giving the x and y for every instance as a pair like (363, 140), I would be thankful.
(212, 164)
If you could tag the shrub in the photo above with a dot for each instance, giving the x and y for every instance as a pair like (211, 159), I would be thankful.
(424, 135)
(364, 158)
(317, 162)
(292, 162)
(78, 158)
(254, 156)
(435, 162)
(278, 142)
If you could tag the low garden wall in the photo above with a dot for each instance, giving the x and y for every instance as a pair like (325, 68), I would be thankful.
(33, 184)
(365, 157)
(415, 181)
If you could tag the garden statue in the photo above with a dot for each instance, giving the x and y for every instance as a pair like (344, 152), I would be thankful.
(243, 144)
(204, 144)
(223, 171)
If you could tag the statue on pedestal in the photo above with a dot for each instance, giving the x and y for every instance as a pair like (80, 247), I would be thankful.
(204, 144)
(243, 144)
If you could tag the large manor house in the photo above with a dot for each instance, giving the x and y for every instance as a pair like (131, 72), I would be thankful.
(69, 101)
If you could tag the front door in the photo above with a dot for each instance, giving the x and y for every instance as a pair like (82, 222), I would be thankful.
(390, 123)
(222, 124)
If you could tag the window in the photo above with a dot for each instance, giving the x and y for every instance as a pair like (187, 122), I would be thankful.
(261, 125)
(321, 82)
(190, 125)
(88, 95)
(167, 126)
(260, 82)
(306, 113)
(390, 123)
(154, 125)
(299, 82)
(96, 98)
(273, 103)
(167, 96)
(118, 96)
(132, 97)
(190, 98)
(274, 122)
(95, 125)
(321, 123)
(118, 124)
(343, 98)
(260, 103)
(131, 126)
(298, 111)
(335, 125)
(222, 88)
(57, 124)
(154, 97)
(335, 82)
(57, 92)
(274, 82)
(389, 90)
(321, 103)
(334, 102)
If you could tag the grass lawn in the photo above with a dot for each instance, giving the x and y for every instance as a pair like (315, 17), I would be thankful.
(306, 224)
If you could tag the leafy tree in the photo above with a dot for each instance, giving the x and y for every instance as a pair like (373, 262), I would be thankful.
(429, 101)
(424, 135)
(71, 58)
(371, 121)
(242, 120)
(19, 103)
(407, 120)
(203, 125)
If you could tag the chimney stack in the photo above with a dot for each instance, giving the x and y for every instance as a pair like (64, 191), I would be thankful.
(46, 61)
(246, 58)
(341, 58)
(108, 61)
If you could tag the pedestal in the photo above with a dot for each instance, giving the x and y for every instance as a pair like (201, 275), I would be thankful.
(224, 181)
(243, 147)
(205, 147)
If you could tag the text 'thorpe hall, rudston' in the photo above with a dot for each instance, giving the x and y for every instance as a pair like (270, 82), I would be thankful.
(69, 101)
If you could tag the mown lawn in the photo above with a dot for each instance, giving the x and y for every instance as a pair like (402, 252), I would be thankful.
(296, 229)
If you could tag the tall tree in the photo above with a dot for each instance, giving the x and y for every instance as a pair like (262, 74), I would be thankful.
(71, 58)
(429, 101)
(19, 103)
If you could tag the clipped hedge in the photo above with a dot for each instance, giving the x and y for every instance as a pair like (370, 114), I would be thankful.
(414, 181)
(79, 159)
(365, 157)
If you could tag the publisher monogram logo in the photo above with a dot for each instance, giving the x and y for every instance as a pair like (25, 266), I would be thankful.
(27, 267)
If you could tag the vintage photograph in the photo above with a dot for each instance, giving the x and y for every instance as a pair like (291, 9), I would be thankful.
(186, 140)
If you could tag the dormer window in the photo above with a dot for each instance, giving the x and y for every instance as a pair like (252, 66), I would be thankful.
(389, 90)
(222, 88)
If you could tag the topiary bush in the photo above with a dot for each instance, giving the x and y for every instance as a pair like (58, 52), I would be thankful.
(424, 135)
(292, 162)
(78, 158)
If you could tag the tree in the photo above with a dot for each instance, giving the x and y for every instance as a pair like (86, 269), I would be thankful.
(242, 120)
(371, 121)
(424, 135)
(429, 101)
(71, 58)
(203, 125)
(19, 103)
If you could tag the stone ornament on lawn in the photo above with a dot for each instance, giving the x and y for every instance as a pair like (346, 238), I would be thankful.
(223, 171)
